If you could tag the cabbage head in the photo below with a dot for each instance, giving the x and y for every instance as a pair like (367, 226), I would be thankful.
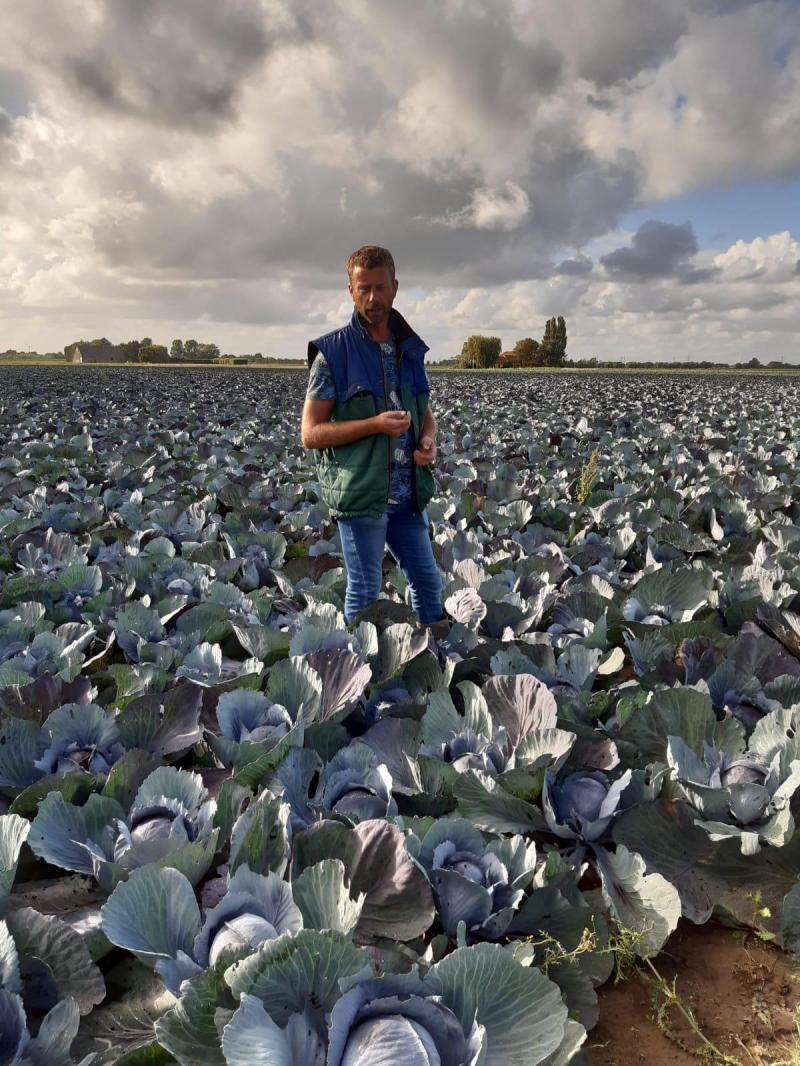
(583, 805)
(155, 915)
(474, 882)
(82, 736)
(737, 795)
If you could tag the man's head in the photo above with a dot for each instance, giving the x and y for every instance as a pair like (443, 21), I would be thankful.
(372, 284)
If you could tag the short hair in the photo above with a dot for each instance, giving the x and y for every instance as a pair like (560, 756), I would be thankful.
(368, 257)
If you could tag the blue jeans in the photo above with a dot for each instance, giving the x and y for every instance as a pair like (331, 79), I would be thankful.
(364, 542)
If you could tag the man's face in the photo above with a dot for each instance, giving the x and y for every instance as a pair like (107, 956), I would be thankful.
(373, 293)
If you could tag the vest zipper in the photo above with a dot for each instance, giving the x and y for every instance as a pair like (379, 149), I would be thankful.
(386, 407)
(414, 501)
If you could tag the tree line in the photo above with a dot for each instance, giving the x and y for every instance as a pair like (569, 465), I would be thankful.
(481, 353)
(145, 351)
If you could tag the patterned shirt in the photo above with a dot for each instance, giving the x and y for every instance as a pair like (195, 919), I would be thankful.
(321, 387)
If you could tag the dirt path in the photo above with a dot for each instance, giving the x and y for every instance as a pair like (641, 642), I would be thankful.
(744, 993)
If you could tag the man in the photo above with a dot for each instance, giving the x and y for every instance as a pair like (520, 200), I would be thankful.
(367, 415)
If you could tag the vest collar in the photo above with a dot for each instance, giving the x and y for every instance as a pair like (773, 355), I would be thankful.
(398, 327)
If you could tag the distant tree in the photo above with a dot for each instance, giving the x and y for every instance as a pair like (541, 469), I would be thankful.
(527, 349)
(208, 351)
(131, 350)
(553, 349)
(190, 347)
(480, 352)
(145, 342)
(753, 362)
(258, 355)
(176, 349)
(153, 353)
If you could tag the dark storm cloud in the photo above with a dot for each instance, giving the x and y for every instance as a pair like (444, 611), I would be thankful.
(246, 237)
(576, 267)
(657, 250)
(630, 38)
(179, 65)
(14, 92)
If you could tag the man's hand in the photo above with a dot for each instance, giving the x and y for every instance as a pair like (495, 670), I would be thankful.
(392, 423)
(425, 455)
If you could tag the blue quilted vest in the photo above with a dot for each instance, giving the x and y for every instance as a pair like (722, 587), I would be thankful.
(354, 478)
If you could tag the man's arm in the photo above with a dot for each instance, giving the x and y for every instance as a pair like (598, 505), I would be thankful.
(317, 430)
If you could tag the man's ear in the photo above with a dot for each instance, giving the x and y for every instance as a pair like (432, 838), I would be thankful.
(394, 285)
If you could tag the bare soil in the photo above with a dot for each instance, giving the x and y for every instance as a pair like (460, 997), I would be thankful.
(744, 994)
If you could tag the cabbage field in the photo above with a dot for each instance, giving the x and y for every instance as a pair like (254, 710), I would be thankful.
(237, 832)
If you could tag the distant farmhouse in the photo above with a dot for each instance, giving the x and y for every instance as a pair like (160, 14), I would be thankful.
(96, 352)
(509, 359)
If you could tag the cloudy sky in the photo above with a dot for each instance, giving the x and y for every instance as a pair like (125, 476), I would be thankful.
(204, 167)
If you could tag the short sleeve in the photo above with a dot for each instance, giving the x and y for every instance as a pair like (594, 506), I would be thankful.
(320, 380)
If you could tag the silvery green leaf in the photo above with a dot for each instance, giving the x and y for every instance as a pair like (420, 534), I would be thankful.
(395, 741)
(261, 642)
(13, 675)
(59, 1027)
(125, 1023)
(167, 782)
(13, 833)
(163, 725)
(60, 831)
(323, 895)
(476, 711)
(441, 719)
(646, 903)
(680, 712)
(10, 978)
(295, 971)
(297, 686)
(188, 1030)
(570, 1048)
(62, 951)
(21, 744)
(520, 1009)
(674, 594)
(154, 914)
(260, 837)
(578, 665)
(203, 665)
(398, 644)
(518, 855)
(543, 749)
(398, 902)
(13, 1031)
(127, 775)
(483, 801)
(577, 990)
(251, 1038)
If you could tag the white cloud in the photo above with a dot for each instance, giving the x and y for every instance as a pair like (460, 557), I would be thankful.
(492, 209)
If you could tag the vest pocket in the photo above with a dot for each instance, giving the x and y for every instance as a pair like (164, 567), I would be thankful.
(360, 405)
